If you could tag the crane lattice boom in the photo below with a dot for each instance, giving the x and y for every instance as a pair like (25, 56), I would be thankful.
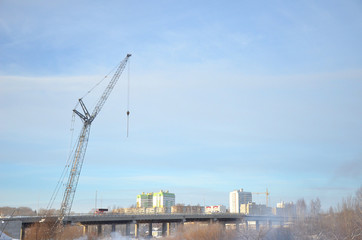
(78, 157)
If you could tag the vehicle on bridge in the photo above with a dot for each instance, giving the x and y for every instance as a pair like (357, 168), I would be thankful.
(101, 211)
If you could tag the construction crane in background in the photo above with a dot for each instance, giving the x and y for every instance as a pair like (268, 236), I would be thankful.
(81, 146)
(266, 196)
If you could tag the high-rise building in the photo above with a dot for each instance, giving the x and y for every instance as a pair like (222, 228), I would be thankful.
(163, 199)
(145, 200)
(238, 197)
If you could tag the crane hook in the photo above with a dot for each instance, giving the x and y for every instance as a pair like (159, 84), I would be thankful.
(127, 122)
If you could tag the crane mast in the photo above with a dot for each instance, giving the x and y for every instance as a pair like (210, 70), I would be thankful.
(266, 196)
(78, 156)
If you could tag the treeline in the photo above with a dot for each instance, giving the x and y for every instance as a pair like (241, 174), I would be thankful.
(20, 211)
(25, 211)
(342, 222)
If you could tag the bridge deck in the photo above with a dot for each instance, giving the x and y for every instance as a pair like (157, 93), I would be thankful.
(151, 218)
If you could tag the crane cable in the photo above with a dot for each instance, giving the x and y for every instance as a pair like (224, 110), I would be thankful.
(72, 147)
(128, 96)
(6, 224)
(65, 169)
(96, 85)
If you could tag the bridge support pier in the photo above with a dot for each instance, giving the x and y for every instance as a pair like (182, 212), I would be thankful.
(223, 224)
(85, 229)
(212, 221)
(237, 226)
(165, 229)
(270, 224)
(136, 230)
(246, 225)
(113, 227)
(128, 229)
(150, 230)
(22, 233)
(180, 225)
(99, 230)
(257, 225)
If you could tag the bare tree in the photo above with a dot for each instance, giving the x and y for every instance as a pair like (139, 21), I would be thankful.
(315, 207)
(20, 211)
(301, 208)
(343, 223)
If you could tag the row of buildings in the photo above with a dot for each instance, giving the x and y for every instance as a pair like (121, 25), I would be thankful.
(240, 201)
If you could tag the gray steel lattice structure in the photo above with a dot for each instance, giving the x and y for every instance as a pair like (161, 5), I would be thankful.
(78, 157)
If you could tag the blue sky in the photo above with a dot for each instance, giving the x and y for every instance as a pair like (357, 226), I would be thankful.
(224, 95)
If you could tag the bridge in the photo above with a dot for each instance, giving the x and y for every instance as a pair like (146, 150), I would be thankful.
(17, 225)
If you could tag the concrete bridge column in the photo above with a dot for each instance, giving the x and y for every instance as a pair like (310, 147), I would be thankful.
(270, 224)
(22, 232)
(165, 229)
(99, 230)
(257, 225)
(246, 225)
(150, 229)
(113, 227)
(128, 229)
(136, 230)
(85, 229)
(237, 226)
(180, 225)
(213, 220)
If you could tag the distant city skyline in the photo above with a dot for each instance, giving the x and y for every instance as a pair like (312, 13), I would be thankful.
(223, 96)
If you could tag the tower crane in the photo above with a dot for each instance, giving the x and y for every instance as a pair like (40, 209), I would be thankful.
(266, 196)
(81, 146)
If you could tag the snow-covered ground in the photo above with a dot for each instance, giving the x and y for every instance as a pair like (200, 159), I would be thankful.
(5, 237)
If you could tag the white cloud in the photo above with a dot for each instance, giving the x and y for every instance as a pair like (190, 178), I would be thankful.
(17, 84)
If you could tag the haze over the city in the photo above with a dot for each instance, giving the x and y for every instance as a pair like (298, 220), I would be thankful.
(223, 95)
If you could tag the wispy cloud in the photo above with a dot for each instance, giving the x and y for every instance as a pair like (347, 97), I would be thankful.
(17, 84)
(349, 170)
(222, 95)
